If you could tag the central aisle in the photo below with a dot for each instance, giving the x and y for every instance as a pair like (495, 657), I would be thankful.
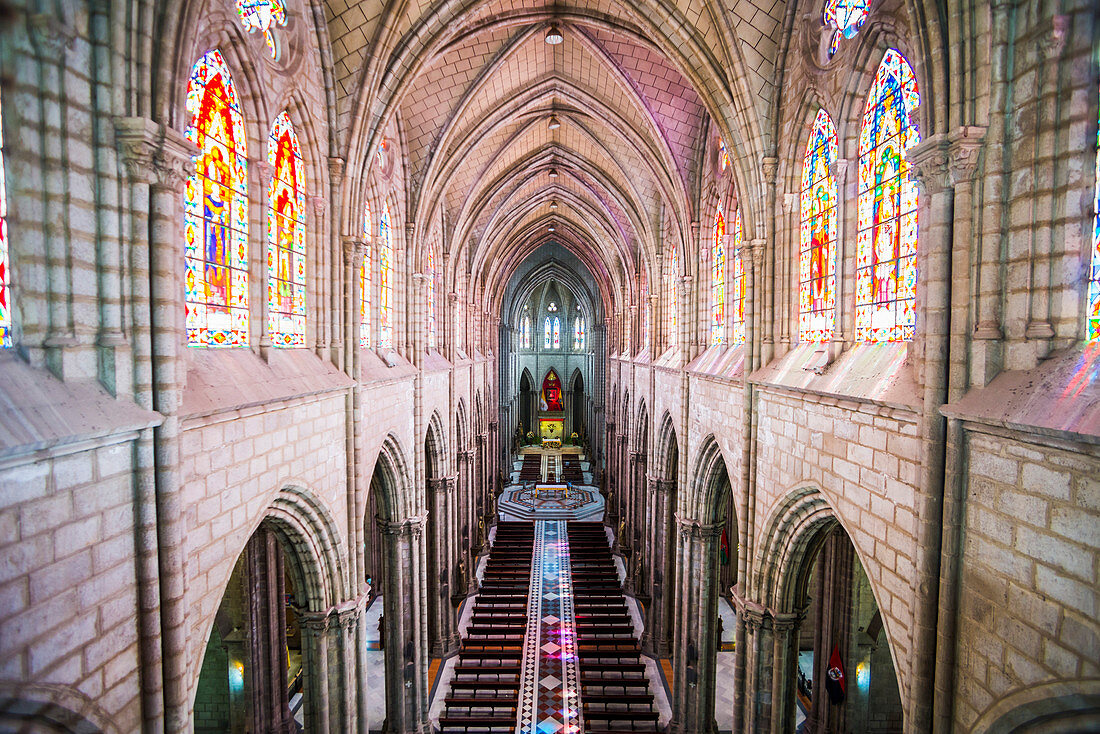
(549, 685)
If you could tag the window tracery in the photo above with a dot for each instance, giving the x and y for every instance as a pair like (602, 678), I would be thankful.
(886, 248)
(286, 232)
(578, 334)
(547, 337)
(557, 333)
(264, 16)
(216, 210)
(817, 251)
(845, 17)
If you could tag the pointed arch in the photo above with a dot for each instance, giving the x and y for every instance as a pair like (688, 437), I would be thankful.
(311, 538)
(667, 448)
(392, 481)
(710, 478)
(435, 443)
(641, 428)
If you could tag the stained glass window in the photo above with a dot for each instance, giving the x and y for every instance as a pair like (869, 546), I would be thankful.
(431, 295)
(547, 337)
(525, 333)
(845, 17)
(216, 210)
(557, 333)
(817, 251)
(578, 334)
(645, 316)
(672, 272)
(1092, 333)
(886, 248)
(738, 280)
(365, 283)
(263, 15)
(385, 287)
(723, 155)
(718, 278)
(286, 238)
(5, 293)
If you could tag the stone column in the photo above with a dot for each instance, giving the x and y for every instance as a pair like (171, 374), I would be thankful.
(442, 633)
(405, 712)
(315, 670)
(269, 707)
(785, 660)
(317, 314)
(655, 637)
(695, 649)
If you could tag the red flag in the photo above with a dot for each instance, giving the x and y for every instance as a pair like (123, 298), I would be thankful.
(724, 549)
(834, 677)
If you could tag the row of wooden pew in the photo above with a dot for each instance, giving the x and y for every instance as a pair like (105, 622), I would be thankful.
(615, 692)
(531, 469)
(485, 688)
(571, 469)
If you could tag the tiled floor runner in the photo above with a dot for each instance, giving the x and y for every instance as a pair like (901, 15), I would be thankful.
(549, 700)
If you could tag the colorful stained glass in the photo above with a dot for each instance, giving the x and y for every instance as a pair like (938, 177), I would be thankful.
(431, 296)
(718, 279)
(365, 283)
(525, 333)
(817, 249)
(547, 337)
(738, 280)
(723, 155)
(886, 245)
(216, 210)
(286, 238)
(5, 292)
(578, 334)
(263, 16)
(672, 273)
(385, 287)
(557, 333)
(845, 17)
(1092, 329)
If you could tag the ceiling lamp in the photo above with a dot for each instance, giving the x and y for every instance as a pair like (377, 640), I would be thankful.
(553, 36)
(553, 205)
(553, 173)
(553, 123)
(550, 228)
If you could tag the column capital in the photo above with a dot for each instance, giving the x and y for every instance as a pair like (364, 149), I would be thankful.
(756, 250)
(930, 159)
(320, 205)
(769, 165)
(409, 527)
(265, 171)
(336, 167)
(684, 286)
(314, 623)
(691, 528)
(657, 484)
(1052, 44)
(355, 250)
(966, 145)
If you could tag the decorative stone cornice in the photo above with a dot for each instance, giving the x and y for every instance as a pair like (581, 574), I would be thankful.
(929, 159)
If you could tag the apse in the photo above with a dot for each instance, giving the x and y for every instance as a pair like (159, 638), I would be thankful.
(552, 350)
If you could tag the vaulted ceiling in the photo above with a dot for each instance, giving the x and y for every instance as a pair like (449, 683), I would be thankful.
(471, 88)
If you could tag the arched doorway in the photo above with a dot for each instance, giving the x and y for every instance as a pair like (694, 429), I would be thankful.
(661, 545)
(578, 424)
(259, 671)
(526, 401)
(439, 497)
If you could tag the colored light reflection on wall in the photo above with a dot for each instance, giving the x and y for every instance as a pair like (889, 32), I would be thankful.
(863, 675)
(236, 676)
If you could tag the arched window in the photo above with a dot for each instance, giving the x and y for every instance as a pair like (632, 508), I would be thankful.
(578, 334)
(286, 238)
(216, 210)
(886, 248)
(385, 287)
(718, 278)
(5, 277)
(431, 295)
(672, 273)
(845, 17)
(645, 316)
(1092, 333)
(557, 333)
(365, 283)
(817, 251)
(738, 280)
(723, 155)
(525, 333)
(263, 15)
(547, 337)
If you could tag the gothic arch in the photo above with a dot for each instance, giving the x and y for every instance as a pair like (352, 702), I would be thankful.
(435, 443)
(641, 428)
(707, 483)
(667, 449)
(50, 708)
(312, 541)
(395, 492)
(1048, 707)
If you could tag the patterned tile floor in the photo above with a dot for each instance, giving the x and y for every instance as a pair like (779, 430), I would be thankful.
(549, 677)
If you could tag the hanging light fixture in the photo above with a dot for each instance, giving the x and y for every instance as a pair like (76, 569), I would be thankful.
(553, 36)
(553, 123)
(550, 228)
(553, 205)
(553, 173)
